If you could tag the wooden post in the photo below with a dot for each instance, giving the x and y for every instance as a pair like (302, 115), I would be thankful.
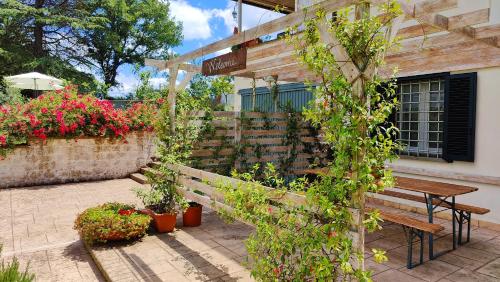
(362, 11)
(237, 136)
(172, 93)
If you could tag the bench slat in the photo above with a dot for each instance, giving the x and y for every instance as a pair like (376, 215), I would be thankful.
(420, 199)
(410, 222)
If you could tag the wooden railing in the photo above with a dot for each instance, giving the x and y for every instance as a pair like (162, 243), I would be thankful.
(191, 180)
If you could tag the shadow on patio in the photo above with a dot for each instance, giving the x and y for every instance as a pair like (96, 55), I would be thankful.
(215, 252)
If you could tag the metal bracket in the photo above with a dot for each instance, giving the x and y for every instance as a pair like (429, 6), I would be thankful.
(463, 217)
(412, 234)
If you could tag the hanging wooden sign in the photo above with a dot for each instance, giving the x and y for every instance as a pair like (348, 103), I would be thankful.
(224, 64)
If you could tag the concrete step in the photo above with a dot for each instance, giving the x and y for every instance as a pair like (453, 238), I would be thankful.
(145, 170)
(138, 177)
(154, 164)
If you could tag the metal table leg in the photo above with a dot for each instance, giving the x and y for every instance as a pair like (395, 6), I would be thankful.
(430, 212)
(431, 206)
(454, 219)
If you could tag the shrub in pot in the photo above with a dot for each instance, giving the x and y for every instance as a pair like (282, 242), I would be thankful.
(160, 202)
(111, 222)
(192, 215)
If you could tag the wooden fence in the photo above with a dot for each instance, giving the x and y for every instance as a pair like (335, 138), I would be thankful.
(242, 139)
(192, 181)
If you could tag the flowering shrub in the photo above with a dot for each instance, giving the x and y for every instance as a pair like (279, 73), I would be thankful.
(65, 113)
(110, 222)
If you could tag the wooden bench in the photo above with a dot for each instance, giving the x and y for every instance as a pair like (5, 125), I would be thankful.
(414, 228)
(465, 211)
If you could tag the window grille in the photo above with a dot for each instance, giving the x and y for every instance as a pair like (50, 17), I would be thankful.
(420, 117)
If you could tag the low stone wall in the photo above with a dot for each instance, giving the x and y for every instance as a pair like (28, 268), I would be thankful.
(61, 160)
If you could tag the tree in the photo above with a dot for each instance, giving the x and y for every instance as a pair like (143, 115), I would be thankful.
(134, 30)
(41, 35)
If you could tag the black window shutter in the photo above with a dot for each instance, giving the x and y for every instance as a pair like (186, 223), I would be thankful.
(460, 117)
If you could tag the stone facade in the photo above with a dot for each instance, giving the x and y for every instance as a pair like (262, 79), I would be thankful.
(67, 160)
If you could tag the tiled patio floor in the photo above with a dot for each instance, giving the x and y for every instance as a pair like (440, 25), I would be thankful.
(36, 226)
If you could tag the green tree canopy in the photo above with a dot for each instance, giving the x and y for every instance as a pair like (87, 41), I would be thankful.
(41, 35)
(134, 30)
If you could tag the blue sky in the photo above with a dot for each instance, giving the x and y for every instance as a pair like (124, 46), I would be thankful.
(204, 21)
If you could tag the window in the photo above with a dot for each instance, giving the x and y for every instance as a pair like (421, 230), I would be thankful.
(420, 117)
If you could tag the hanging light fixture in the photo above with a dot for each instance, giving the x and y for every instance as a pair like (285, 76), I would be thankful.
(235, 13)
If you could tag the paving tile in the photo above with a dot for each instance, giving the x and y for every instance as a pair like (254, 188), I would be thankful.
(375, 267)
(463, 275)
(491, 269)
(431, 270)
(475, 254)
(461, 262)
(393, 275)
(492, 245)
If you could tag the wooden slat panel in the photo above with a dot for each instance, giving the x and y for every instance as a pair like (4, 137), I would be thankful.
(486, 31)
(421, 199)
(286, 198)
(432, 187)
(410, 222)
(469, 177)
(466, 19)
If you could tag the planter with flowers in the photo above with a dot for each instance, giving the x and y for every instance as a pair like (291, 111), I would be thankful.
(65, 113)
(111, 222)
(161, 204)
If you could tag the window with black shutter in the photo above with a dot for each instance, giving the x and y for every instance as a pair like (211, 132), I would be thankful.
(460, 117)
(436, 116)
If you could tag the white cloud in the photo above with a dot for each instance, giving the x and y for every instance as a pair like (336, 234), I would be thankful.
(251, 16)
(195, 21)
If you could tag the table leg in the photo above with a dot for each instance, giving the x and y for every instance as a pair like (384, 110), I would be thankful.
(453, 218)
(430, 212)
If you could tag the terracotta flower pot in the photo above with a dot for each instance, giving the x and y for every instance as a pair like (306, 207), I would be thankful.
(192, 216)
(164, 222)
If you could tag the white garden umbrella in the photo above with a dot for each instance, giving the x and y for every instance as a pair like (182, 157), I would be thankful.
(35, 81)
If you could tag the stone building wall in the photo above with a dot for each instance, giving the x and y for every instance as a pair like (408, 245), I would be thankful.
(60, 160)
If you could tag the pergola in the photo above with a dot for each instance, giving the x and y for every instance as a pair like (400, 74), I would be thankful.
(434, 39)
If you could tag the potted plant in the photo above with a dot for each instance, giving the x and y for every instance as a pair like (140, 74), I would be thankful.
(111, 222)
(192, 215)
(161, 202)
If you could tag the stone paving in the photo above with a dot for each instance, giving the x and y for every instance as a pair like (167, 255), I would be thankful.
(213, 251)
(36, 226)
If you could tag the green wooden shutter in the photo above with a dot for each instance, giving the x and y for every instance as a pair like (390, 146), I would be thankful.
(460, 117)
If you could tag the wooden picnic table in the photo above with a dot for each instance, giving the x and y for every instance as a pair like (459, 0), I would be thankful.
(437, 194)
(440, 189)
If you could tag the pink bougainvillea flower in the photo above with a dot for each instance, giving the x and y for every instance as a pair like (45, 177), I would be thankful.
(3, 140)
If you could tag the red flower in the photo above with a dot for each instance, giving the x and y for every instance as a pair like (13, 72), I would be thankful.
(3, 140)
(59, 117)
(332, 234)
(126, 212)
(44, 110)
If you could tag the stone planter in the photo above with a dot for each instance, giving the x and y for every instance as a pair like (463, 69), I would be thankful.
(60, 160)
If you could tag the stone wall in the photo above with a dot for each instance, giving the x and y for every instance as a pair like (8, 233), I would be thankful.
(61, 160)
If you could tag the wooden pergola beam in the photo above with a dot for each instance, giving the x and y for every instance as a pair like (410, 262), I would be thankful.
(162, 65)
(265, 29)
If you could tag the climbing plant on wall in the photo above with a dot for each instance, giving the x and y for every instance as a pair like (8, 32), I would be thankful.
(312, 241)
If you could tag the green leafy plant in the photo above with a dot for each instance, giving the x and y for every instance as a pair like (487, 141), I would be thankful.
(9, 271)
(312, 239)
(175, 144)
(111, 221)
